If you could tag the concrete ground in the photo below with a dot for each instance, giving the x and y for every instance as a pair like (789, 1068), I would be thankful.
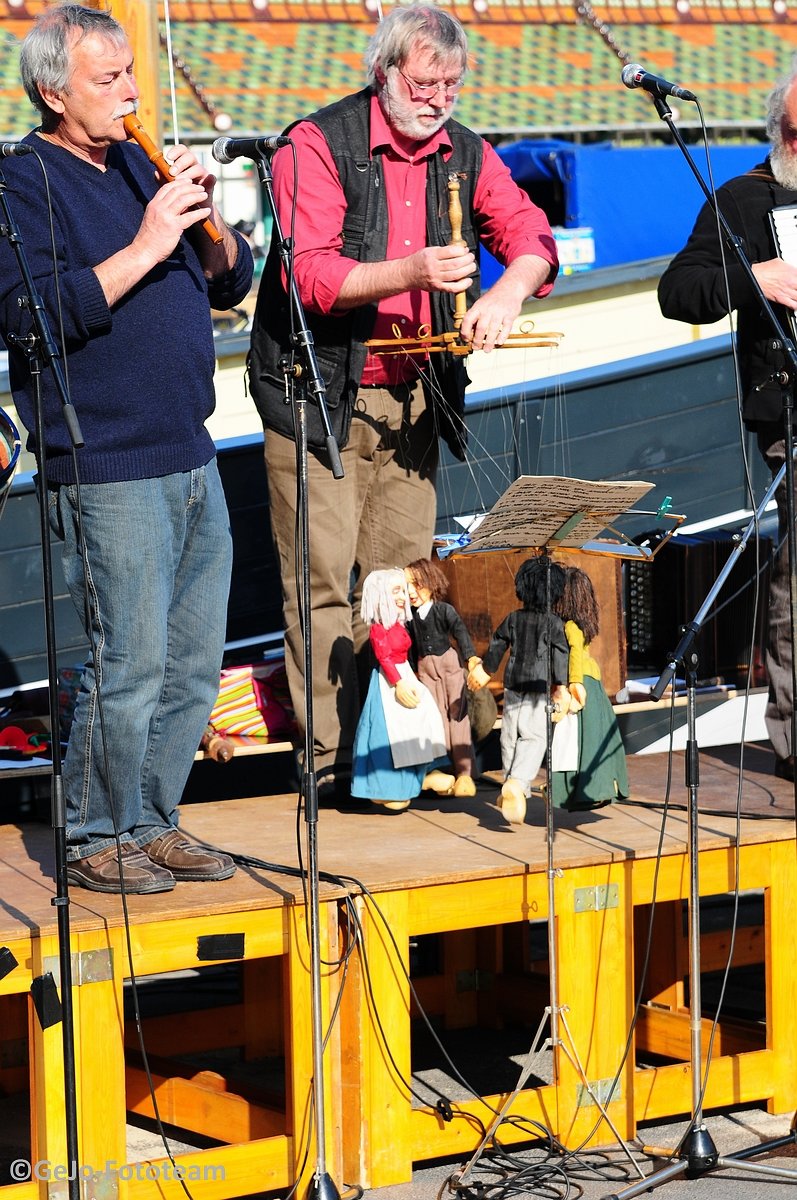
(596, 1175)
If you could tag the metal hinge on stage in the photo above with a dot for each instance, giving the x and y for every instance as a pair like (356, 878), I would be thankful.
(599, 1092)
(594, 899)
(88, 966)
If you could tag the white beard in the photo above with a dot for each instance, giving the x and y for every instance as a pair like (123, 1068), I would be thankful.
(784, 165)
(405, 115)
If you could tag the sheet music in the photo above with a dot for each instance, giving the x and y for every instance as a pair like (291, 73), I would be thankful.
(542, 510)
(783, 221)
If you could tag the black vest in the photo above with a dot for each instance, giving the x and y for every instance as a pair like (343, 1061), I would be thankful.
(339, 340)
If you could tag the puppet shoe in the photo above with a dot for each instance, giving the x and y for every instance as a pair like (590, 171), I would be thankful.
(512, 801)
(392, 806)
(464, 786)
(439, 782)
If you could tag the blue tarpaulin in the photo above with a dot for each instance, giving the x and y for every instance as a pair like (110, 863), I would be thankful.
(639, 201)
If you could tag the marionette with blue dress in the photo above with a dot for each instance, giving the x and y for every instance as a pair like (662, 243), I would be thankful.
(400, 731)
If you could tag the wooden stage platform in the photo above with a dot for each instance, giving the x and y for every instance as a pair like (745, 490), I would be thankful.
(447, 874)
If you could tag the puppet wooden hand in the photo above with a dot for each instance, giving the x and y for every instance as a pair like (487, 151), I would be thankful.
(407, 694)
(477, 676)
(578, 697)
(561, 702)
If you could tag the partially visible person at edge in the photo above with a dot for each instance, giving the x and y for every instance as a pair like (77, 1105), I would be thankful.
(372, 252)
(136, 278)
(693, 289)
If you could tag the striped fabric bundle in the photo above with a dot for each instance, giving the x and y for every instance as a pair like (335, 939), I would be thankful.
(246, 703)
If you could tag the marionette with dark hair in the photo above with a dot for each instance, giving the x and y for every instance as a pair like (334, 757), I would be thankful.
(434, 627)
(600, 775)
(400, 732)
(538, 655)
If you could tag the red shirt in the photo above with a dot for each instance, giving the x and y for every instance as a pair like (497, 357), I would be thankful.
(509, 224)
(391, 646)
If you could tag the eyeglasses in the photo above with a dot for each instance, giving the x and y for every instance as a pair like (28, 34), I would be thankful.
(425, 91)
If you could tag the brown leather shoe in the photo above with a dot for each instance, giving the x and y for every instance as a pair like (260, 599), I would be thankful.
(100, 872)
(188, 860)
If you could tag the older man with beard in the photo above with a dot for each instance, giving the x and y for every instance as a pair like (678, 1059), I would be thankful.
(695, 288)
(372, 254)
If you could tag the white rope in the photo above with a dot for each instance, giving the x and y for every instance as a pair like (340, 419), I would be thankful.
(172, 83)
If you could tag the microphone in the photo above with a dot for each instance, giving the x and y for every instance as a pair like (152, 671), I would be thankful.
(12, 149)
(226, 149)
(634, 76)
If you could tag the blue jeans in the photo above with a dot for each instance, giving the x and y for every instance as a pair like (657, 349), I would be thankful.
(159, 556)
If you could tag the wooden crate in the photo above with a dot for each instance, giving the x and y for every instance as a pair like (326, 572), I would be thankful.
(482, 590)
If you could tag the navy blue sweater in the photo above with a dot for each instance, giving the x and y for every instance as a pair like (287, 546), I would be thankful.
(140, 374)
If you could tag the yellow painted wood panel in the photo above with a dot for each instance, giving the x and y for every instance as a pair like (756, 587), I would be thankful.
(595, 993)
(299, 1046)
(203, 1106)
(99, 1055)
(474, 903)
(663, 1092)
(433, 1137)
(161, 946)
(781, 977)
(383, 1030)
(220, 1173)
(190, 1032)
(669, 1035)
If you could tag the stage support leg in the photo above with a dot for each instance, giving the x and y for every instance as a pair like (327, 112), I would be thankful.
(594, 938)
(299, 1038)
(381, 1153)
(99, 1057)
(780, 926)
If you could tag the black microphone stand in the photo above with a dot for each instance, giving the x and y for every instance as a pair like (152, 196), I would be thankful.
(308, 383)
(40, 341)
(697, 1154)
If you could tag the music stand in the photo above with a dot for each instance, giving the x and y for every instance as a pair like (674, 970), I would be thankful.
(548, 513)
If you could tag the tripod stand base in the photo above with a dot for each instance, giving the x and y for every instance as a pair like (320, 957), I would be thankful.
(789, 1139)
(697, 1155)
(322, 1187)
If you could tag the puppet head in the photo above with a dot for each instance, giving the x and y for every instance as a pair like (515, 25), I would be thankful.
(577, 603)
(385, 600)
(426, 581)
(530, 583)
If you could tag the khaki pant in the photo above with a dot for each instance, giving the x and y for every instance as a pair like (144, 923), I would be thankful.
(779, 631)
(381, 514)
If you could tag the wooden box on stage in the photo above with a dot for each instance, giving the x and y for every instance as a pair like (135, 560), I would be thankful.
(482, 590)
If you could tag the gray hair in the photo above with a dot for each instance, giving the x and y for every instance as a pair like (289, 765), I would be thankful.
(403, 28)
(777, 102)
(44, 58)
(378, 605)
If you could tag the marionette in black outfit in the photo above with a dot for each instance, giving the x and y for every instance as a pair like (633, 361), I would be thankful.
(535, 639)
(442, 645)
